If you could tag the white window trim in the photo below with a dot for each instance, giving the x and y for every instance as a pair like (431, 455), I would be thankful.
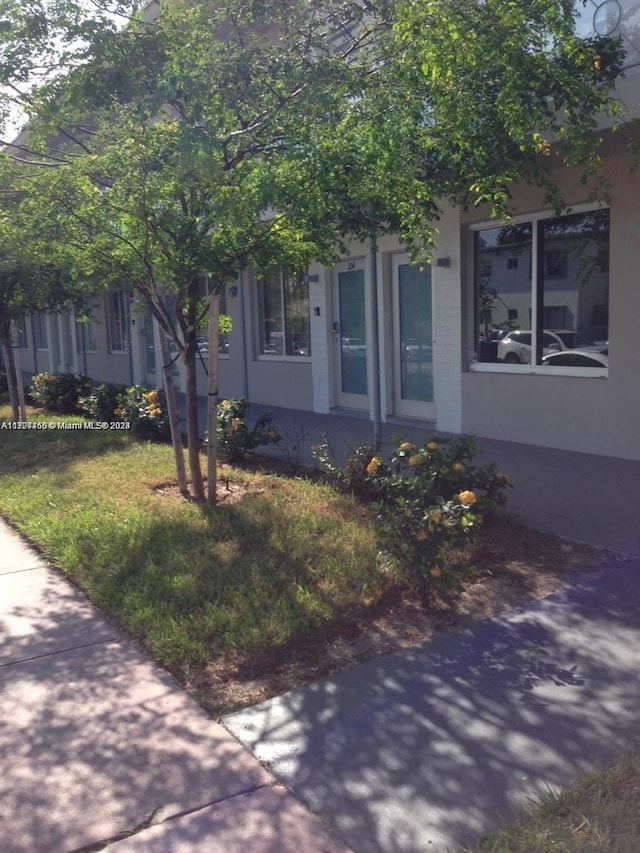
(261, 356)
(532, 369)
(126, 320)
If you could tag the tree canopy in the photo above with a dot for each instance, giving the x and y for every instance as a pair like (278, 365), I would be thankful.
(216, 136)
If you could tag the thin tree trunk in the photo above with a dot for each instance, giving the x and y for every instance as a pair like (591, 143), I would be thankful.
(17, 362)
(193, 439)
(172, 409)
(212, 401)
(10, 367)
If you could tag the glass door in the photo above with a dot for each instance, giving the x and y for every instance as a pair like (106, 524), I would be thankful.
(413, 339)
(350, 335)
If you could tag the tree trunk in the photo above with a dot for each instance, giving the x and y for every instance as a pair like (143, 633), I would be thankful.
(193, 439)
(17, 363)
(212, 401)
(10, 367)
(172, 409)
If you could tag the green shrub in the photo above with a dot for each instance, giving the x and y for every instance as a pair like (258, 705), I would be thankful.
(428, 500)
(60, 392)
(146, 411)
(234, 437)
(102, 402)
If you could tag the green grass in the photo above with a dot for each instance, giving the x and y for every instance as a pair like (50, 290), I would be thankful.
(187, 582)
(599, 814)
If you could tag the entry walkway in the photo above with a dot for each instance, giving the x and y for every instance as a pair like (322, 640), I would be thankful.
(430, 748)
(102, 750)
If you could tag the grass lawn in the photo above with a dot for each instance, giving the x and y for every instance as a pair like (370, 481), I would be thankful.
(277, 586)
(190, 584)
(599, 814)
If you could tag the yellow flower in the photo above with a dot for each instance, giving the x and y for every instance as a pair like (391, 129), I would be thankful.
(152, 396)
(435, 572)
(117, 412)
(467, 498)
(372, 467)
(597, 62)
(421, 535)
(236, 423)
(413, 460)
(433, 446)
(406, 445)
(459, 467)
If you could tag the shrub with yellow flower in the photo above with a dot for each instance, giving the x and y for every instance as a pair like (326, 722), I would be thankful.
(373, 466)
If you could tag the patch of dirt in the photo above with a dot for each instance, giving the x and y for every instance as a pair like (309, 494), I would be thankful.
(228, 492)
(512, 566)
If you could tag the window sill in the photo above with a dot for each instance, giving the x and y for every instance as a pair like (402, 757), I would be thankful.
(539, 370)
(291, 359)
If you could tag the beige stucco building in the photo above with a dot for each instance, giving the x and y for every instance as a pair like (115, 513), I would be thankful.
(444, 355)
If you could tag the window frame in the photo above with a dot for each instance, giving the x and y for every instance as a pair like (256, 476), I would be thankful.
(22, 334)
(40, 332)
(537, 293)
(283, 276)
(123, 299)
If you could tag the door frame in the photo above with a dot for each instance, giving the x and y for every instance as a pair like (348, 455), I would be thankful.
(424, 410)
(342, 399)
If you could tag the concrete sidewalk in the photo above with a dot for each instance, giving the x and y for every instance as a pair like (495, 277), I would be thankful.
(432, 747)
(102, 750)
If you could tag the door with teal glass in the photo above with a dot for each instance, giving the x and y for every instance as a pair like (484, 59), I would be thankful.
(413, 339)
(350, 335)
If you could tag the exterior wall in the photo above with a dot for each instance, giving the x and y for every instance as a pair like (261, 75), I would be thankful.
(447, 323)
(267, 380)
(593, 414)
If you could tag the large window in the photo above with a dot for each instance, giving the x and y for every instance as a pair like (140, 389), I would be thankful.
(542, 287)
(40, 338)
(21, 330)
(85, 330)
(117, 315)
(619, 18)
(203, 331)
(283, 315)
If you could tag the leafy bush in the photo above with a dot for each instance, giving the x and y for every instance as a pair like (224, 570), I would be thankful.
(60, 392)
(234, 437)
(146, 412)
(428, 499)
(103, 401)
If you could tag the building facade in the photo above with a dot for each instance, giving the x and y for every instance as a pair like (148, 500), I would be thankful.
(375, 334)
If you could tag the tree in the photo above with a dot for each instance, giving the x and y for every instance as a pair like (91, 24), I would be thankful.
(27, 284)
(244, 134)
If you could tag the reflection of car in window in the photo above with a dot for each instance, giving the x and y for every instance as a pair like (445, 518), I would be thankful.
(418, 352)
(354, 347)
(515, 347)
(577, 358)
